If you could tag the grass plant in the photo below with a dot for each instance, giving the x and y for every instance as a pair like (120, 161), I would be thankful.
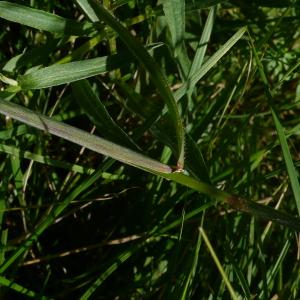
(149, 149)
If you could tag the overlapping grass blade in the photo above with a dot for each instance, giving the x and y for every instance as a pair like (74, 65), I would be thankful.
(271, 275)
(154, 70)
(218, 264)
(242, 280)
(46, 160)
(199, 210)
(185, 293)
(280, 131)
(288, 159)
(211, 62)
(51, 217)
(148, 111)
(97, 113)
(202, 46)
(121, 258)
(42, 20)
(65, 73)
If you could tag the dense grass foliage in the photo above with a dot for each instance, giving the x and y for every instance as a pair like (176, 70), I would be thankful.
(149, 150)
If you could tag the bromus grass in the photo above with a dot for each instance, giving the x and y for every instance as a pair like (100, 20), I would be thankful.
(149, 149)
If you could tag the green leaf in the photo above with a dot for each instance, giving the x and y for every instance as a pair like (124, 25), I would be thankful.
(175, 16)
(280, 131)
(42, 20)
(288, 159)
(46, 160)
(16, 152)
(202, 46)
(218, 264)
(121, 258)
(185, 290)
(73, 71)
(271, 275)
(32, 57)
(212, 61)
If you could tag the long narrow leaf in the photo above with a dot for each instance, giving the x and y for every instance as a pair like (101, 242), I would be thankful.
(46, 160)
(288, 159)
(82, 138)
(202, 46)
(121, 258)
(175, 16)
(280, 131)
(218, 264)
(41, 20)
(98, 114)
(209, 63)
(64, 73)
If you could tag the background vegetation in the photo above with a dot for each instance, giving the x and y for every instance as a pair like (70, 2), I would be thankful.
(210, 89)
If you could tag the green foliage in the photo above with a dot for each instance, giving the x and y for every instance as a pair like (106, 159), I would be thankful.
(149, 150)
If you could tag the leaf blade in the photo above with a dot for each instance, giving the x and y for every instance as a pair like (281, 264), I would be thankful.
(97, 113)
(58, 74)
(175, 16)
(210, 63)
(202, 46)
(41, 20)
